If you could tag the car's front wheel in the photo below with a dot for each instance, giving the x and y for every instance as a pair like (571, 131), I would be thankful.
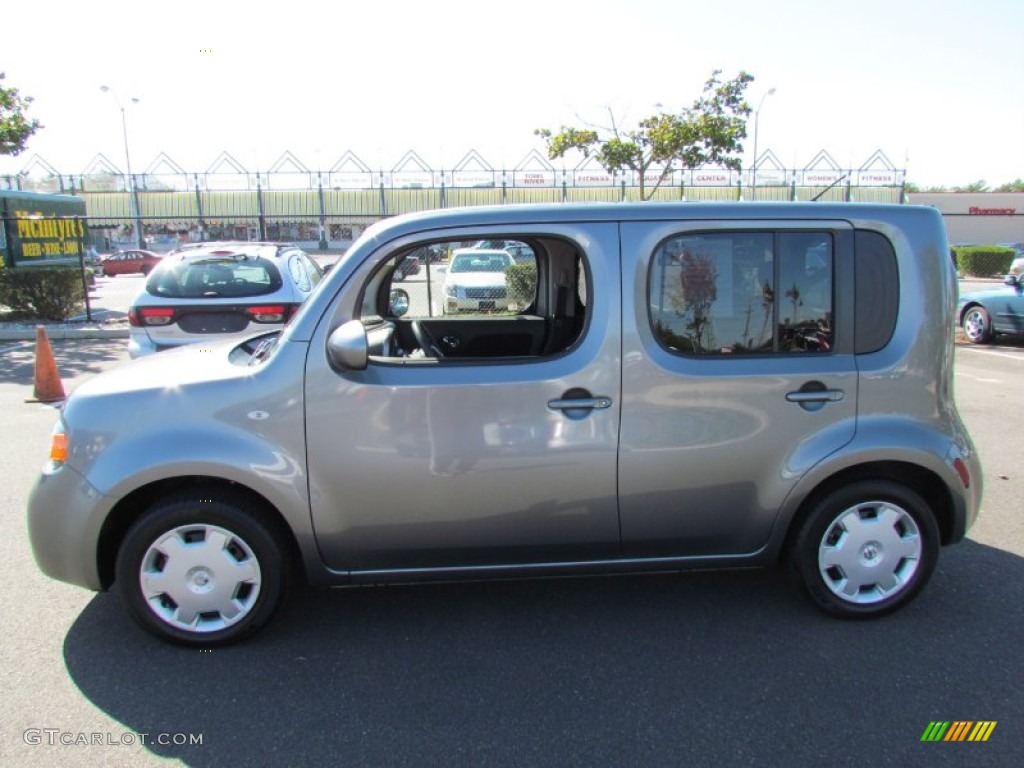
(977, 325)
(201, 569)
(866, 550)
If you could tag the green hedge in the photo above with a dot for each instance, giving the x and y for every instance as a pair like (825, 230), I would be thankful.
(43, 293)
(521, 283)
(982, 260)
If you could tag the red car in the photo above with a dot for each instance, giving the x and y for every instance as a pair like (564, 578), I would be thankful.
(130, 263)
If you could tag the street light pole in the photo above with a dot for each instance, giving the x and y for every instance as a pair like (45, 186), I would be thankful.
(133, 205)
(757, 114)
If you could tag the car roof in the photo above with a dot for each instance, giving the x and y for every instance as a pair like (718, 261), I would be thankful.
(238, 244)
(511, 217)
(254, 249)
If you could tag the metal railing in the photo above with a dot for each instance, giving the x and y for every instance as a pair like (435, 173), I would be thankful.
(204, 211)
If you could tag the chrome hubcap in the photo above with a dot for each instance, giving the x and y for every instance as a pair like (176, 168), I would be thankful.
(974, 326)
(200, 578)
(870, 552)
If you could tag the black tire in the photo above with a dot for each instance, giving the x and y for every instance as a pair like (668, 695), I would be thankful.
(146, 269)
(865, 550)
(977, 325)
(214, 552)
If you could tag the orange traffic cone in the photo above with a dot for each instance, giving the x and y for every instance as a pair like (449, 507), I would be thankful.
(48, 387)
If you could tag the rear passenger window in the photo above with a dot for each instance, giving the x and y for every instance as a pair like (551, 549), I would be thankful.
(215, 276)
(743, 293)
(300, 276)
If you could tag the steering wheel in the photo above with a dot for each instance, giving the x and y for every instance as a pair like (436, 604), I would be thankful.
(426, 343)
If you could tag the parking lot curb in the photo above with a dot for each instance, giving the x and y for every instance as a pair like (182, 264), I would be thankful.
(63, 334)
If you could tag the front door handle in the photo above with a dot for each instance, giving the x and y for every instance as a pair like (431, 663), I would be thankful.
(577, 403)
(824, 396)
(589, 403)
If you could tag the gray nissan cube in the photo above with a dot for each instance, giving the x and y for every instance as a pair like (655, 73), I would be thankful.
(670, 387)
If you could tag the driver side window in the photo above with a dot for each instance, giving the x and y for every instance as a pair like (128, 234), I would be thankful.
(458, 301)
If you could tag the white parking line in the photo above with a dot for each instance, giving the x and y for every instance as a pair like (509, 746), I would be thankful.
(992, 353)
(979, 378)
(16, 345)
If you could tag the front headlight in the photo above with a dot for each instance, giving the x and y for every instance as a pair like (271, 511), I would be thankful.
(451, 291)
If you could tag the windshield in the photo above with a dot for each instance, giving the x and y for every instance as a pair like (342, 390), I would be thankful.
(481, 263)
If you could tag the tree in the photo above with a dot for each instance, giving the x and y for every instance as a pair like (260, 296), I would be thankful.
(1014, 186)
(975, 186)
(978, 186)
(15, 128)
(912, 189)
(708, 132)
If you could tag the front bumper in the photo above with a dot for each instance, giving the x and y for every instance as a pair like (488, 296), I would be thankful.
(65, 518)
(462, 304)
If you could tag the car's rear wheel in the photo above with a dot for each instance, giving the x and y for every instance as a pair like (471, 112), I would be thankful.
(146, 269)
(866, 550)
(201, 569)
(977, 325)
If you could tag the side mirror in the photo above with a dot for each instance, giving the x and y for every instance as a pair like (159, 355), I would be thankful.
(347, 347)
(399, 302)
(1014, 280)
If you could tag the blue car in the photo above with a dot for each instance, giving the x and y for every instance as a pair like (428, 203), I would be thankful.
(983, 314)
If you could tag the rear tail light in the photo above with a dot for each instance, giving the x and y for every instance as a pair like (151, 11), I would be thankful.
(150, 316)
(272, 313)
(961, 469)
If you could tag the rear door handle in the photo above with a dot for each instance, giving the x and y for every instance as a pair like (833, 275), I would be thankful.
(814, 395)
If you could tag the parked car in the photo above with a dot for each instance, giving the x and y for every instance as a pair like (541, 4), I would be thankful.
(521, 252)
(219, 291)
(410, 265)
(655, 406)
(475, 280)
(130, 263)
(431, 254)
(983, 314)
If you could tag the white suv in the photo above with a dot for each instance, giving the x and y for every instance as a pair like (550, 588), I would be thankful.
(476, 280)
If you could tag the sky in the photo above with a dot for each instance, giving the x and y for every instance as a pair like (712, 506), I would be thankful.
(937, 86)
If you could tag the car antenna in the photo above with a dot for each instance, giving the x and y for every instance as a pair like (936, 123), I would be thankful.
(826, 189)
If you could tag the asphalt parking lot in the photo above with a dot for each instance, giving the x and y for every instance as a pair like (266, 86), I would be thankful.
(712, 669)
